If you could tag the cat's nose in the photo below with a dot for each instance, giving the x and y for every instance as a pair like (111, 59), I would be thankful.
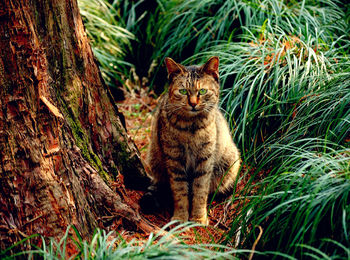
(193, 101)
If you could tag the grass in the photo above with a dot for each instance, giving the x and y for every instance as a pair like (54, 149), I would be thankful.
(168, 245)
(109, 39)
(303, 201)
(190, 27)
(154, 29)
(270, 72)
(287, 98)
(142, 19)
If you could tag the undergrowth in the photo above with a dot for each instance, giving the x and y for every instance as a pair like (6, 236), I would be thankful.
(103, 245)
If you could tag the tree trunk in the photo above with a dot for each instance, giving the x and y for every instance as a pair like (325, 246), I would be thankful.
(61, 137)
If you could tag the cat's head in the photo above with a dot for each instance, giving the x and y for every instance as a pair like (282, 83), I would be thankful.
(193, 90)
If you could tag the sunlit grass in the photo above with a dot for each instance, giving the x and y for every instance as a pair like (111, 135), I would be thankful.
(269, 77)
(108, 38)
(191, 26)
(304, 200)
(103, 245)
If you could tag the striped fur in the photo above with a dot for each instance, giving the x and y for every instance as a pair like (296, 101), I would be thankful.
(191, 147)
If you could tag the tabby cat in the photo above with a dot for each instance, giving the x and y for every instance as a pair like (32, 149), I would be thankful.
(191, 147)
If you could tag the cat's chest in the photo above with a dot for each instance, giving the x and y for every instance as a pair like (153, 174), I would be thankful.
(195, 152)
(193, 135)
(188, 141)
(197, 145)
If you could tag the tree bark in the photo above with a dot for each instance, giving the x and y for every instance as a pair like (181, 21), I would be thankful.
(62, 141)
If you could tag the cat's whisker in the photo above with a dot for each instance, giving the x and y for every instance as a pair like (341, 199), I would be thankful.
(223, 111)
(175, 110)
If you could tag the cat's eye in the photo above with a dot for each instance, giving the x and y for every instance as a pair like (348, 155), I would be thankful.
(183, 91)
(203, 91)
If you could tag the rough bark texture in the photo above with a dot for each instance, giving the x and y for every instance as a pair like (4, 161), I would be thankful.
(61, 138)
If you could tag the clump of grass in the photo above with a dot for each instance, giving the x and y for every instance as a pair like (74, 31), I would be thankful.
(189, 27)
(268, 76)
(163, 245)
(143, 19)
(303, 203)
(109, 39)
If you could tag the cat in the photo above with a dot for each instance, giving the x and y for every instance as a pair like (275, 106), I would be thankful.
(191, 152)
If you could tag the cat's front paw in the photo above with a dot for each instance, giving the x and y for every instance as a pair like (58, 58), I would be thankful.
(202, 220)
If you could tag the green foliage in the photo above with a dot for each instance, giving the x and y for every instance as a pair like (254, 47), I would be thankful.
(142, 19)
(163, 245)
(303, 203)
(268, 82)
(108, 37)
(189, 27)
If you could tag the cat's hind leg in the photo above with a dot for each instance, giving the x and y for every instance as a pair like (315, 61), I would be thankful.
(225, 174)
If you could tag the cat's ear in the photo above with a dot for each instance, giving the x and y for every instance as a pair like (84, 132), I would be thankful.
(211, 67)
(173, 67)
